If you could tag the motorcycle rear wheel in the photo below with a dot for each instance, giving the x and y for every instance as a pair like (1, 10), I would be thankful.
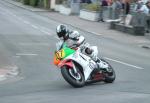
(68, 76)
(109, 76)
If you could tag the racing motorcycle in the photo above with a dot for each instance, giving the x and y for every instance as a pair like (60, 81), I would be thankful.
(79, 69)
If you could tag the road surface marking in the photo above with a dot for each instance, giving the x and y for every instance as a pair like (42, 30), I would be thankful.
(127, 64)
(26, 22)
(26, 54)
(42, 29)
(34, 26)
(95, 33)
(45, 32)
(2, 77)
(19, 18)
(13, 15)
(8, 71)
(31, 44)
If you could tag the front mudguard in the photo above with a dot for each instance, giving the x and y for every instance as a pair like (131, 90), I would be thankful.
(68, 63)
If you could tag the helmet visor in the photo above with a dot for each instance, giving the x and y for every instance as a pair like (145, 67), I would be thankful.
(61, 34)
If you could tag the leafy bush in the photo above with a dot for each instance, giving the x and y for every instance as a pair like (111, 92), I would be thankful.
(18, 0)
(25, 2)
(33, 2)
(46, 4)
(91, 7)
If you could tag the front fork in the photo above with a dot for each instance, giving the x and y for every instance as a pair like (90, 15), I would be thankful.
(70, 64)
(74, 68)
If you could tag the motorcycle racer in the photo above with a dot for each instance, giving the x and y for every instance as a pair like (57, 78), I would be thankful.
(73, 40)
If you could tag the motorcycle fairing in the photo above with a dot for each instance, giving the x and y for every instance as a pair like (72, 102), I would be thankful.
(84, 61)
(61, 54)
(65, 63)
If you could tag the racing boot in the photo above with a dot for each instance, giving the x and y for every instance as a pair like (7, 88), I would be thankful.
(102, 65)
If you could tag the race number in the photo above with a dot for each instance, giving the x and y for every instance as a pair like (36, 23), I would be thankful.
(60, 54)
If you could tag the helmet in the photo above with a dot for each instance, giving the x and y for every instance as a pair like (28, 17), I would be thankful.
(62, 31)
(74, 35)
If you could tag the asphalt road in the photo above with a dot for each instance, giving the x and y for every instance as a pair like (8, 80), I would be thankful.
(28, 40)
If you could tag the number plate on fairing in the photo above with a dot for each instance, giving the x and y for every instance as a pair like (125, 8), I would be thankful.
(60, 54)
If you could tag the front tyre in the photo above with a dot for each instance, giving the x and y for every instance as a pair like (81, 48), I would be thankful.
(74, 79)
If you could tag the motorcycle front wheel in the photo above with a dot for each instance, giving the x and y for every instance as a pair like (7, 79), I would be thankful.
(74, 79)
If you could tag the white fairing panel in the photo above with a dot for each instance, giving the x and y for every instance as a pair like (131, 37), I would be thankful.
(86, 62)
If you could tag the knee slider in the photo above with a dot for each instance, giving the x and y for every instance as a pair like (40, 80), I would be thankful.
(88, 51)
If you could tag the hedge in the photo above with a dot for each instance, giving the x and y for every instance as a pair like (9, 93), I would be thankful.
(25, 2)
(33, 2)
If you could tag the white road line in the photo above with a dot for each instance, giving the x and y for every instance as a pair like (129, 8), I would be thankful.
(42, 29)
(34, 26)
(95, 33)
(127, 64)
(26, 54)
(26, 22)
(45, 32)
(14, 15)
(31, 44)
